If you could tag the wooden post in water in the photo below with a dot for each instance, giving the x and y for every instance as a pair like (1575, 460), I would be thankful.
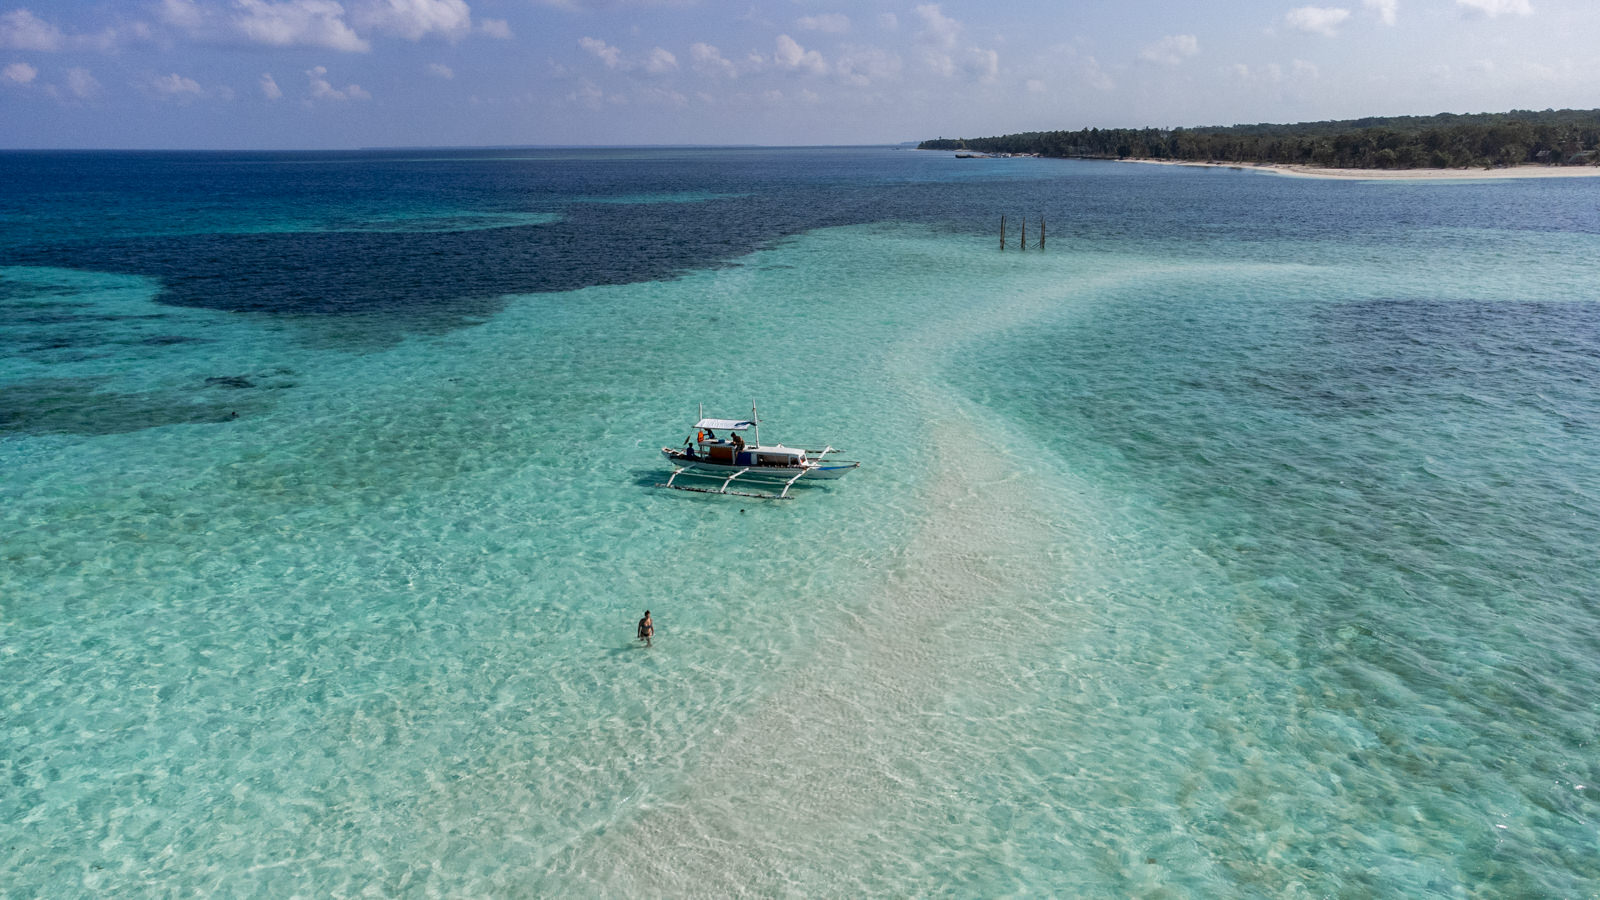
(1002, 232)
(1041, 231)
(1022, 242)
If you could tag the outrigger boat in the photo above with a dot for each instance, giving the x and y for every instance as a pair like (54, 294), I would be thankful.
(729, 459)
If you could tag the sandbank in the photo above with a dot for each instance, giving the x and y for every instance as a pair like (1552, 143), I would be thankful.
(1469, 174)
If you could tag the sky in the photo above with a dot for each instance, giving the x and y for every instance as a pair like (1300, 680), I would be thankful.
(337, 74)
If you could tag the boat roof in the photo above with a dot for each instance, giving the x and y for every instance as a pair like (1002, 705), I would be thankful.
(725, 424)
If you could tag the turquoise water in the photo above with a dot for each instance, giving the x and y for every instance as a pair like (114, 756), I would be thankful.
(1237, 545)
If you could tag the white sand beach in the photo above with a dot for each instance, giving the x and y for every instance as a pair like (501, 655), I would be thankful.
(1468, 174)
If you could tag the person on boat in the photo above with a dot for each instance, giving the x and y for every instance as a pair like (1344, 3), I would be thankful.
(647, 628)
(708, 435)
(738, 442)
(688, 449)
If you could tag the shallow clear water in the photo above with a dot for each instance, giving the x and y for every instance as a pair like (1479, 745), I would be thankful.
(1236, 545)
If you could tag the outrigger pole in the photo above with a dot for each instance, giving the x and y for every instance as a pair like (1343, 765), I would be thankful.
(728, 481)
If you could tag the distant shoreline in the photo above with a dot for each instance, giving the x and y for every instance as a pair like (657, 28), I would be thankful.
(1471, 174)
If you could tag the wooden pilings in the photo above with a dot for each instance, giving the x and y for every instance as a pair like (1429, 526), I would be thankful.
(1022, 239)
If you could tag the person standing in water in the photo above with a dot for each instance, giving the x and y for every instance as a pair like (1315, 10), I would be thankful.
(647, 628)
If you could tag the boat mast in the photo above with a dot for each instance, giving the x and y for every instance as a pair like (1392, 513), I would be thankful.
(756, 420)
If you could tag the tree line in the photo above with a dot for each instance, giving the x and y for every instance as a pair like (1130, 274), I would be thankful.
(1552, 137)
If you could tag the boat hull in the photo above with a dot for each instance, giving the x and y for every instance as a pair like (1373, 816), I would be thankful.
(825, 470)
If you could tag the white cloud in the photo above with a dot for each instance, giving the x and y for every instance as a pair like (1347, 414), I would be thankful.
(1088, 71)
(1541, 73)
(1492, 8)
(183, 13)
(1269, 74)
(1272, 75)
(708, 60)
(606, 53)
(440, 70)
(830, 23)
(269, 87)
(862, 66)
(1317, 19)
(983, 65)
(175, 85)
(1171, 50)
(18, 73)
(495, 28)
(660, 62)
(664, 97)
(608, 5)
(1555, 73)
(939, 35)
(975, 63)
(790, 55)
(108, 39)
(1386, 9)
(322, 89)
(589, 94)
(888, 21)
(22, 30)
(297, 23)
(81, 84)
(937, 28)
(415, 19)
(1035, 86)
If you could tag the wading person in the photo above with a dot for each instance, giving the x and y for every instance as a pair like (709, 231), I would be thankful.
(647, 628)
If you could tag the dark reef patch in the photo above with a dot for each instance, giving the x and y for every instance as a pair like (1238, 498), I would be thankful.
(80, 406)
(431, 282)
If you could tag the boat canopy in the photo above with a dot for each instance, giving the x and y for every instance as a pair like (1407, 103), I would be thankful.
(725, 424)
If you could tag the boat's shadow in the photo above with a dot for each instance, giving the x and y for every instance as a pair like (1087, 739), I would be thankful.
(649, 478)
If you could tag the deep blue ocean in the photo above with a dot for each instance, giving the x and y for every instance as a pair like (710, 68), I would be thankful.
(1237, 543)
